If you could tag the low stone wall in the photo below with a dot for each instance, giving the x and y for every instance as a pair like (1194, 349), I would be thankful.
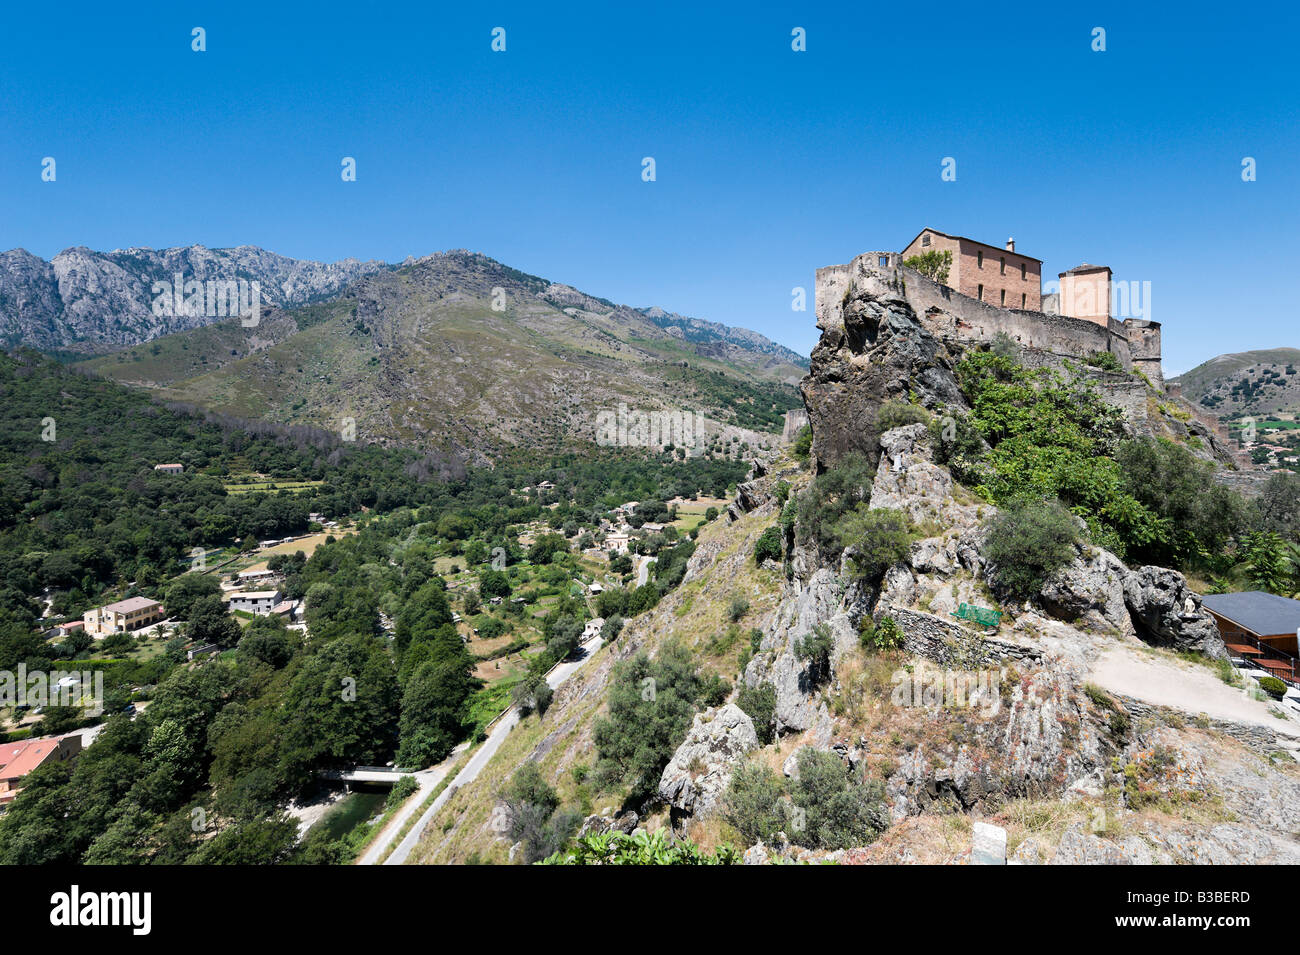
(1259, 738)
(949, 644)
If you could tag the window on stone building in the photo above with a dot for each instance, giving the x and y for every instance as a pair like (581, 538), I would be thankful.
(1004, 297)
(1002, 268)
(981, 293)
(1022, 299)
(884, 261)
(979, 260)
(1022, 271)
(925, 239)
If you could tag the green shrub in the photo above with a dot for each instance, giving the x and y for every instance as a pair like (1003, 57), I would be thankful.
(934, 264)
(880, 537)
(738, 607)
(883, 635)
(403, 789)
(838, 812)
(641, 848)
(759, 703)
(769, 545)
(1272, 686)
(958, 444)
(1104, 360)
(815, 646)
(897, 414)
(834, 493)
(753, 803)
(1027, 541)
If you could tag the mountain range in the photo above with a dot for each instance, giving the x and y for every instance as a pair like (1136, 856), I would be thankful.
(453, 350)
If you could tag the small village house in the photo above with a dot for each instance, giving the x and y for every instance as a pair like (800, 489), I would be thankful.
(122, 616)
(259, 602)
(169, 468)
(18, 759)
(1260, 626)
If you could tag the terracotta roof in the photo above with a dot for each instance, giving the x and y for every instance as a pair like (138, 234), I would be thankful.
(9, 750)
(1085, 267)
(996, 248)
(32, 754)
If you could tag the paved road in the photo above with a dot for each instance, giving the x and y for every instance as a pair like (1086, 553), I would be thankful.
(643, 572)
(479, 759)
(428, 780)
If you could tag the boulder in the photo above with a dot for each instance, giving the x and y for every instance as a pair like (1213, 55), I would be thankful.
(750, 495)
(697, 775)
(1167, 612)
(1090, 592)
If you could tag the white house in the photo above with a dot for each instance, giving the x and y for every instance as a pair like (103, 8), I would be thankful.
(260, 602)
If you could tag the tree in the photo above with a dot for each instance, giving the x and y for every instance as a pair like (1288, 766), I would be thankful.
(753, 803)
(494, 583)
(432, 720)
(1265, 555)
(186, 591)
(837, 813)
(932, 264)
(769, 545)
(880, 537)
(651, 704)
(531, 805)
(210, 623)
(1027, 541)
(760, 705)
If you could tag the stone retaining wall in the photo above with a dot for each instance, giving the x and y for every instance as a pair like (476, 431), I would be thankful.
(948, 643)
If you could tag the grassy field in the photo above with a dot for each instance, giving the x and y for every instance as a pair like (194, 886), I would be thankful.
(252, 487)
(690, 514)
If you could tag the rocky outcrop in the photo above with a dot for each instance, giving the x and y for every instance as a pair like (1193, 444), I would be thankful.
(821, 601)
(696, 777)
(1089, 593)
(97, 300)
(1167, 612)
(873, 349)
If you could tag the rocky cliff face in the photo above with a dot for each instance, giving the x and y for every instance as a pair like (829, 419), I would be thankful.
(883, 341)
(873, 349)
(92, 301)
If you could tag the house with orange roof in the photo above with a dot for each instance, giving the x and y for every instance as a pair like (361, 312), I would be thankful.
(19, 759)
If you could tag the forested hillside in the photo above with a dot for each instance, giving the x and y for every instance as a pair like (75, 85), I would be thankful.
(229, 741)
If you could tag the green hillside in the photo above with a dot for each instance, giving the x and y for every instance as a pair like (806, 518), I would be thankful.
(419, 355)
(1251, 382)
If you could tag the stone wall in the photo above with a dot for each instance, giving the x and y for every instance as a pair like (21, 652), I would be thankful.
(956, 318)
(950, 644)
(1262, 739)
(795, 419)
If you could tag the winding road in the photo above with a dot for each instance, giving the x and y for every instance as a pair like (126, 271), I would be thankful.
(428, 783)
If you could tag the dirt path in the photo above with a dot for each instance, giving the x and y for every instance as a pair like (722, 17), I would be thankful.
(1188, 687)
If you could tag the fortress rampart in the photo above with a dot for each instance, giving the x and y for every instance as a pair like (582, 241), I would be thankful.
(958, 319)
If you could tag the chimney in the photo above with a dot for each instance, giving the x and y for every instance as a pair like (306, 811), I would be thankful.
(1011, 245)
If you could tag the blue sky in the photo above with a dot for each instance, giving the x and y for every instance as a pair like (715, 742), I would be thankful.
(770, 163)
